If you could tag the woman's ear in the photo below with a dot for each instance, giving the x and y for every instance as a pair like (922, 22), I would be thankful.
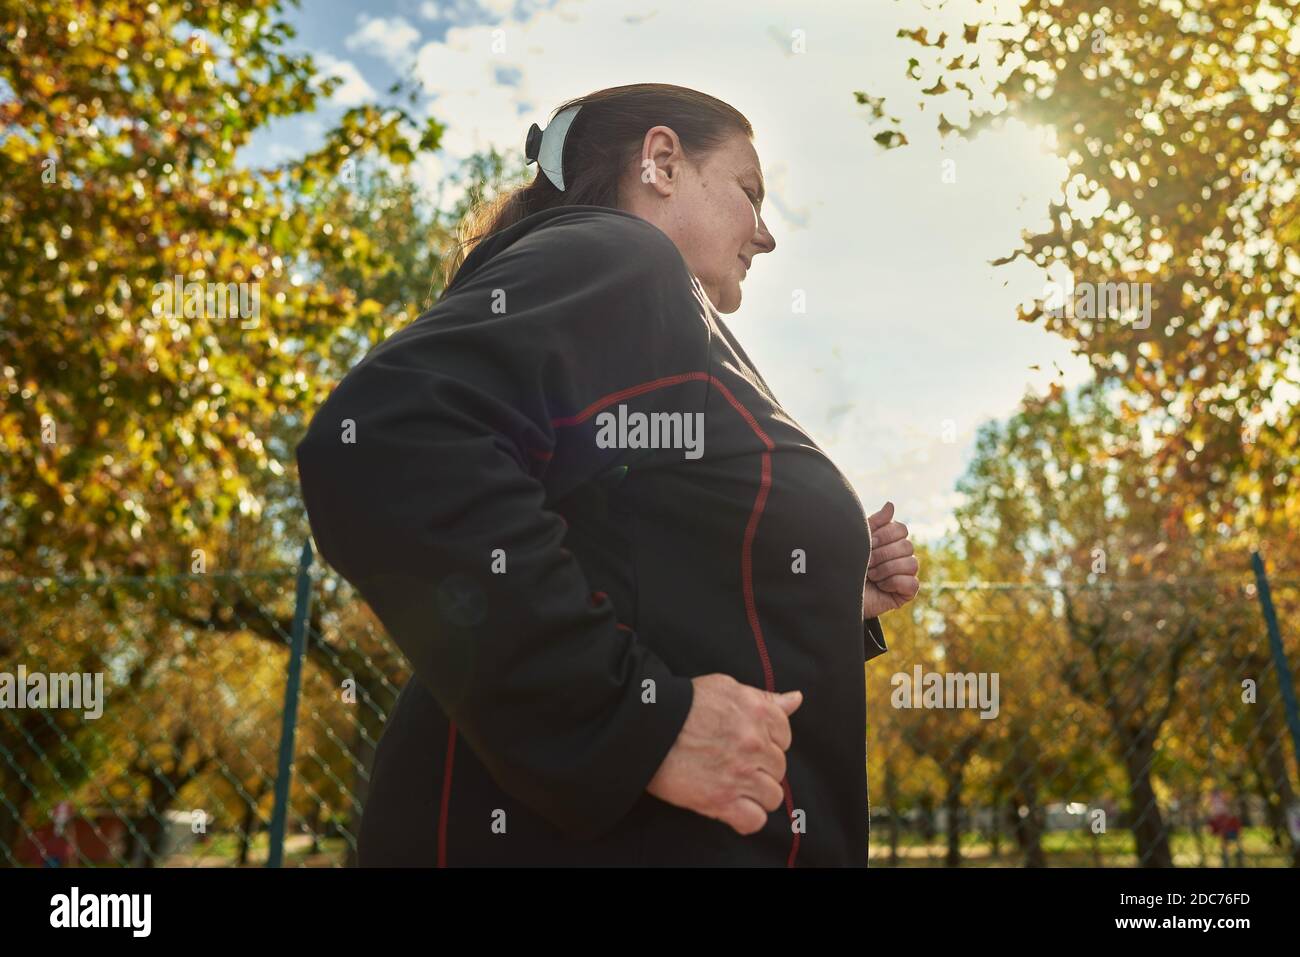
(662, 158)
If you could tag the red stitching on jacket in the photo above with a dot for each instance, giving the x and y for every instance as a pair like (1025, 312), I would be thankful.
(746, 551)
(446, 795)
(746, 567)
(644, 387)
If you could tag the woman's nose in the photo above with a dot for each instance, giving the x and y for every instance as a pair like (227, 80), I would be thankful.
(764, 237)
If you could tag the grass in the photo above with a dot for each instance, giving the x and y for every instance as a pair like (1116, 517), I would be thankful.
(1076, 849)
(222, 850)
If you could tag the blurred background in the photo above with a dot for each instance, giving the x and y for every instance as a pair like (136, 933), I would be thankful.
(209, 211)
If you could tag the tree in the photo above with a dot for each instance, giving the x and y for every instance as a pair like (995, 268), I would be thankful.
(1179, 124)
(1061, 490)
(135, 423)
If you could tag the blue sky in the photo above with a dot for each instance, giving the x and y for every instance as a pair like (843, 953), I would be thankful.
(910, 337)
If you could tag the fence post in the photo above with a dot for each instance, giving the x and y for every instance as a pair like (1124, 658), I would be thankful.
(1279, 655)
(288, 727)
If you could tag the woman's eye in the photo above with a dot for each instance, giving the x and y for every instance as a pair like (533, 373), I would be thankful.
(753, 197)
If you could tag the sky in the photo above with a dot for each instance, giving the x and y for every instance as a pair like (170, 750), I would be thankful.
(910, 338)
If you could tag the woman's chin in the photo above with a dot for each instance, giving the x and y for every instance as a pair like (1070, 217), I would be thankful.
(729, 301)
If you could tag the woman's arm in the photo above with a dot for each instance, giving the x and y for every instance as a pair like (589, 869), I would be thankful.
(426, 476)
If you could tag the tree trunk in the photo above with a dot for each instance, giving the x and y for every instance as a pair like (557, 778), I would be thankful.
(247, 828)
(995, 826)
(1275, 784)
(891, 802)
(954, 776)
(16, 798)
(1149, 832)
(1028, 827)
(952, 804)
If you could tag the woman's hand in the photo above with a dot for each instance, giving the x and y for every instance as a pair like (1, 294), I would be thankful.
(892, 569)
(728, 761)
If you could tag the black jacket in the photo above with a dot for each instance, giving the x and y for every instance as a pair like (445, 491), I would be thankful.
(556, 581)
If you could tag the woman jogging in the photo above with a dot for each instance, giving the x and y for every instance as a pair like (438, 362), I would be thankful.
(635, 595)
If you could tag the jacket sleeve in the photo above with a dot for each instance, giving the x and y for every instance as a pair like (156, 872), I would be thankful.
(873, 639)
(426, 475)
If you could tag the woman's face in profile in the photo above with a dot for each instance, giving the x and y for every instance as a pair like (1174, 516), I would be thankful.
(712, 211)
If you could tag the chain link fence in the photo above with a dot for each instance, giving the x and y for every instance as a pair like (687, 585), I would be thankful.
(182, 766)
(1133, 724)
(1113, 725)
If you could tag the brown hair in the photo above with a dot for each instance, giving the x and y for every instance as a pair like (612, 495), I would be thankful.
(605, 136)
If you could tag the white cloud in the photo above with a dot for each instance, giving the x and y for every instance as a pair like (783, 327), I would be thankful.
(391, 38)
(500, 9)
(429, 172)
(354, 90)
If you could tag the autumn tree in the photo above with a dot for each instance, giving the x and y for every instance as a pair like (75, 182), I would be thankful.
(1179, 125)
(1061, 490)
(136, 424)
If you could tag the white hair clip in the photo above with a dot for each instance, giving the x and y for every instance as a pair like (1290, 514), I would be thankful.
(546, 147)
